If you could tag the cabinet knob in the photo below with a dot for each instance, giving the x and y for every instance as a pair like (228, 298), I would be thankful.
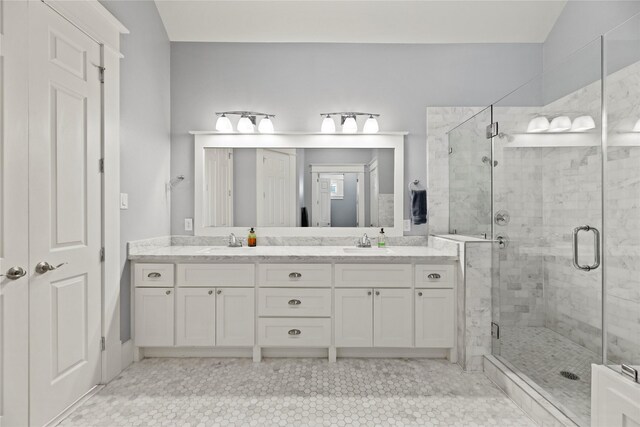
(377, 292)
(419, 294)
(219, 291)
(168, 292)
(210, 292)
(154, 275)
(434, 276)
(295, 275)
(294, 332)
(369, 293)
(295, 302)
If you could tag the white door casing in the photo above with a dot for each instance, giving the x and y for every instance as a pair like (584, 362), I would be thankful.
(374, 191)
(64, 213)
(275, 188)
(14, 251)
(392, 318)
(321, 201)
(219, 187)
(353, 317)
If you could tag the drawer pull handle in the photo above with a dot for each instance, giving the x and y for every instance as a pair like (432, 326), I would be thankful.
(419, 294)
(295, 275)
(434, 276)
(154, 275)
(294, 332)
(295, 302)
(168, 292)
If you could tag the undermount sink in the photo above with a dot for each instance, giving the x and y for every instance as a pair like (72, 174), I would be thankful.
(372, 249)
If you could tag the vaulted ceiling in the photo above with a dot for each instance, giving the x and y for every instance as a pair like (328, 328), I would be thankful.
(359, 21)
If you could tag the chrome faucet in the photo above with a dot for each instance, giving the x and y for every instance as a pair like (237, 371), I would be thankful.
(233, 241)
(364, 242)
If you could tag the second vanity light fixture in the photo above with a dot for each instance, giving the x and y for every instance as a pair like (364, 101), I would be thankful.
(349, 123)
(247, 122)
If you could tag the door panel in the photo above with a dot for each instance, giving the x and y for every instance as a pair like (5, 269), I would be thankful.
(64, 213)
(278, 189)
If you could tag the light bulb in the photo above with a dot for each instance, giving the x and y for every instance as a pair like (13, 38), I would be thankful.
(636, 128)
(350, 125)
(328, 125)
(223, 124)
(538, 124)
(245, 125)
(265, 125)
(583, 123)
(560, 124)
(371, 125)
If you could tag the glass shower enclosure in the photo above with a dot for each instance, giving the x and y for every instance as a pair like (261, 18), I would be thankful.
(556, 184)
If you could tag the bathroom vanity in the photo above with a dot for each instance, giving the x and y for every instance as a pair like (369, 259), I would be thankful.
(294, 301)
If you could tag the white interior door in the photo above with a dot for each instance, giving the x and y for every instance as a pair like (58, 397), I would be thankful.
(219, 187)
(277, 185)
(14, 251)
(374, 190)
(64, 213)
(321, 210)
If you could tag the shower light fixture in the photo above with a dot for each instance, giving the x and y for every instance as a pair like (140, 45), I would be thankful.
(538, 124)
(583, 123)
(349, 123)
(560, 124)
(247, 122)
(636, 128)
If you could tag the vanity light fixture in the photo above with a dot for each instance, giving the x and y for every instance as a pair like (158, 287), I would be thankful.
(538, 124)
(583, 123)
(247, 122)
(349, 123)
(560, 124)
(636, 128)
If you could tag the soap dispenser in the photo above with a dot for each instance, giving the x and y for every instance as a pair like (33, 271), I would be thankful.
(251, 239)
(381, 239)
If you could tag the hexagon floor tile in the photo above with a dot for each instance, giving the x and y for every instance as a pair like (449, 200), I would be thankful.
(298, 392)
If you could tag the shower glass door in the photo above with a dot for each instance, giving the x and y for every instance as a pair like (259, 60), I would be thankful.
(547, 224)
(622, 198)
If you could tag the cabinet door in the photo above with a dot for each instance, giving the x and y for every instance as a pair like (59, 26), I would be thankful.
(434, 318)
(154, 317)
(353, 318)
(235, 321)
(392, 318)
(196, 317)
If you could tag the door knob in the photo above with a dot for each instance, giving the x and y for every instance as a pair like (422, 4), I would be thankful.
(14, 273)
(44, 267)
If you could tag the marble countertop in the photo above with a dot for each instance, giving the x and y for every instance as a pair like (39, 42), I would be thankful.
(395, 254)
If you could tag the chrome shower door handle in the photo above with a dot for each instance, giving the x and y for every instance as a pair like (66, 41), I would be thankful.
(596, 248)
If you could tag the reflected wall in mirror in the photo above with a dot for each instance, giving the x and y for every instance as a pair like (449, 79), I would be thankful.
(298, 187)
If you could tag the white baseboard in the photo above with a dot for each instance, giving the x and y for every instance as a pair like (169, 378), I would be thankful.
(127, 353)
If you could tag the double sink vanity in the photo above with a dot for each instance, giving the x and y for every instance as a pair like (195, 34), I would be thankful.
(337, 300)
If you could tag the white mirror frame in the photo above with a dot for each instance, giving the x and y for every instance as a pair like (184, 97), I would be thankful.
(207, 139)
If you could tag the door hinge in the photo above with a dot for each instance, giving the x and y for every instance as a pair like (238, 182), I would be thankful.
(495, 330)
(101, 165)
(450, 150)
(101, 254)
(101, 74)
(103, 344)
(492, 130)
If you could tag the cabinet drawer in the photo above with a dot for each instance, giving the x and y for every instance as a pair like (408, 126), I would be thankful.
(294, 302)
(294, 332)
(295, 275)
(208, 275)
(373, 275)
(434, 276)
(156, 275)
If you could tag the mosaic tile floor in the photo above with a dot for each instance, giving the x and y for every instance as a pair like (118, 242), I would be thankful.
(298, 392)
(541, 354)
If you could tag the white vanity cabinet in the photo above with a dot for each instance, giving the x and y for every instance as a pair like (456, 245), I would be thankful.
(154, 318)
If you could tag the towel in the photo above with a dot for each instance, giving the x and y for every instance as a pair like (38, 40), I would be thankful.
(419, 207)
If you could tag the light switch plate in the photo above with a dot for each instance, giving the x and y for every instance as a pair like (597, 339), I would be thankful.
(407, 225)
(188, 224)
(124, 201)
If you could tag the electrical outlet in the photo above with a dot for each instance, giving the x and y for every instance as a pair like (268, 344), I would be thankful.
(407, 225)
(124, 201)
(188, 224)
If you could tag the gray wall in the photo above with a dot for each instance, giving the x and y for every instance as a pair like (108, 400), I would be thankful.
(144, 132)
(299, 81)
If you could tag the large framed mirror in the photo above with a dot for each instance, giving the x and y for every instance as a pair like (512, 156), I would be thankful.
(298, 184)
